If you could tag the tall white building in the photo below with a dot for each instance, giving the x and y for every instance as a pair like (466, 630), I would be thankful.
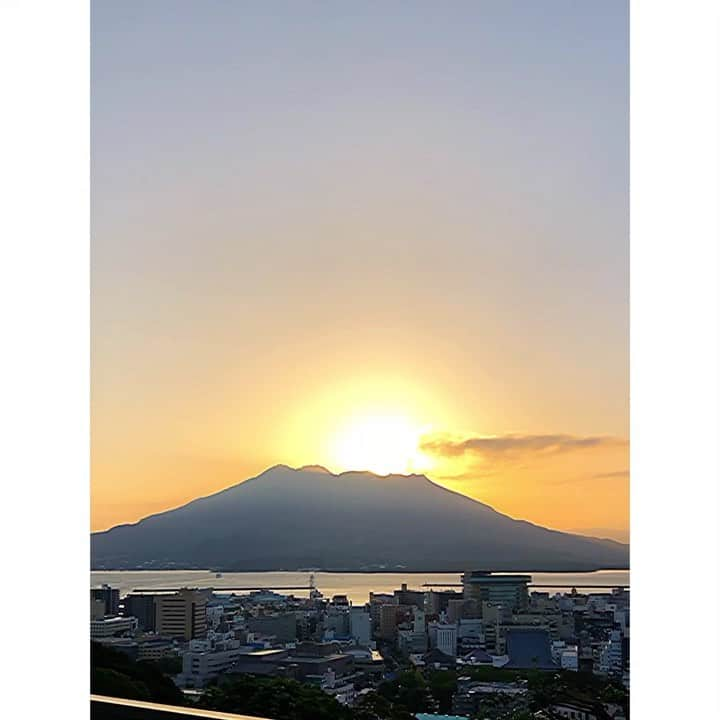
(360, 626)
(445, 637)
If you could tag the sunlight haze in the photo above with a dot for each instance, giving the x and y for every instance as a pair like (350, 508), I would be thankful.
(377, 236)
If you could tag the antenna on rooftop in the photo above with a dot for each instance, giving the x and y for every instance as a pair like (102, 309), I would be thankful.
(315, 594)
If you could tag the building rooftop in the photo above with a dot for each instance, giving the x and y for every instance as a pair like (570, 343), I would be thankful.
(529, 648)
(265, 653)
(314, 659)
(479, 656)
(438, 656)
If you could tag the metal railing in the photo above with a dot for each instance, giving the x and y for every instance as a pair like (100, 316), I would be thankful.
(103, 707)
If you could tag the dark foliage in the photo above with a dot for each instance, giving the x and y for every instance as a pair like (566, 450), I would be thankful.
(375, 707)
(276, 698)
(408, 691)
(169, 665)
(114, 673)
(443, 684)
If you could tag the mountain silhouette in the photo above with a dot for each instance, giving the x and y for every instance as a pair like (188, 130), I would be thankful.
(286, 519)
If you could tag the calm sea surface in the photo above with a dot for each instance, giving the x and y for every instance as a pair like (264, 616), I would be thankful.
(356, 586)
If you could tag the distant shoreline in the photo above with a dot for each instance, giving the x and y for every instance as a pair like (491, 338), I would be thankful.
(362, 572)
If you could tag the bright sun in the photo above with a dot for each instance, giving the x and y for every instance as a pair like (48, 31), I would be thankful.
(383, 444)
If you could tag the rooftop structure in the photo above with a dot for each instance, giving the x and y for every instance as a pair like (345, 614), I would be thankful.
(508, 590)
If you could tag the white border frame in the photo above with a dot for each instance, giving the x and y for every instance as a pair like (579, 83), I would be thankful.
(674, 397)
(44, 382)
(44, 363)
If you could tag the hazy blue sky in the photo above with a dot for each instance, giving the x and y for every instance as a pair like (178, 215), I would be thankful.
(294, 200)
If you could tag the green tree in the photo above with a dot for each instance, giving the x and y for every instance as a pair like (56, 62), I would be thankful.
(114, 673)
(375, 707)
(408, 691)
(169, 665)
(106, 681)
(276, 698)
(442, 685)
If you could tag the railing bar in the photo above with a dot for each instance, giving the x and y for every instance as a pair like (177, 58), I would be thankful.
(178, 709)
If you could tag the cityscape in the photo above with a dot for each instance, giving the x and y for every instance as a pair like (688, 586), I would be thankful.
(493, 648)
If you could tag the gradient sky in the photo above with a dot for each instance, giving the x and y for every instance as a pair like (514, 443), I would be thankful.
(308, 214)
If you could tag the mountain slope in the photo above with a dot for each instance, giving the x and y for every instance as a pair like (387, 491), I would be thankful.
(291, 519)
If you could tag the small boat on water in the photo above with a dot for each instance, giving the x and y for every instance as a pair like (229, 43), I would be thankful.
(218, 574)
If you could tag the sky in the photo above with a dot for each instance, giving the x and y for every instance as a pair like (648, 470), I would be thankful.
(381, 234)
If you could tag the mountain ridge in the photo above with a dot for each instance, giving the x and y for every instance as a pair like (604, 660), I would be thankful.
(287, 518)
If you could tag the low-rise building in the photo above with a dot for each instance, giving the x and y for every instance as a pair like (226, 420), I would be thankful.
(315, 659)
(574, 710)
(260, 661)
(434, 658)
(155, 648)
(202, 665)
(471, 695)
(478, 656)
(115, 626)
(368, 661)
(339, 688)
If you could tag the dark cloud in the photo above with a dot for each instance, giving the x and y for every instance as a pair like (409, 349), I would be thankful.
(514, 446)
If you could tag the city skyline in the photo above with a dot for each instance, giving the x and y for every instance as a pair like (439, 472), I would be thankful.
(371, 238)
(491, 645)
